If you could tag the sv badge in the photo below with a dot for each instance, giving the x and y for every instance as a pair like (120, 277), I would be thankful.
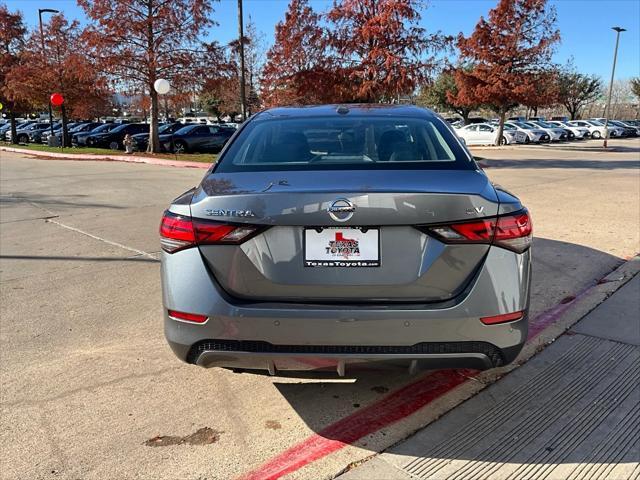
(475, 210)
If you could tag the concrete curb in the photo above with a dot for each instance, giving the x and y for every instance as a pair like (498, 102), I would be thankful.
(107, 158)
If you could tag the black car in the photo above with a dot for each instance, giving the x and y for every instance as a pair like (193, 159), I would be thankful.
(71, 128)
(79, 139)
(141, 140)
(197, 138)
(35, 135)
(628, 130)
(113, 139)
(23, 132)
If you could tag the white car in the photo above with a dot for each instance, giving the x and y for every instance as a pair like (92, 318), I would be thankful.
(556, 134)
(597, 128)
(581, 133)
(487, 134)
(534, 134)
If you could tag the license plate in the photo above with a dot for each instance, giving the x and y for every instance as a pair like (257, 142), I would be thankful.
(342, 247)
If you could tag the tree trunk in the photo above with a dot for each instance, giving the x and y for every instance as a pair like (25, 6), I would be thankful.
(465, 116)
(154, 141)
(14, 128)
(503, 114)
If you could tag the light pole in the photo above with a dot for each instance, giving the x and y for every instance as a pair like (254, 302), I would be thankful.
(613, 71)
(44, 54)
(243, 101)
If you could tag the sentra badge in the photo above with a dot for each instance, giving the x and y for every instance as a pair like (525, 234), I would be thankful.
(219, 212)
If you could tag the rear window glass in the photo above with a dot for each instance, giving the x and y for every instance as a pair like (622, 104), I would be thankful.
(356, 143)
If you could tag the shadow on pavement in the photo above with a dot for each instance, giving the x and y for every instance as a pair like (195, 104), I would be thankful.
(569, 164)
(17, 198)
(560, 269)
(80, 259)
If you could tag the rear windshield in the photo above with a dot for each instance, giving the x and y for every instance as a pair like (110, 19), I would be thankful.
(356, 143)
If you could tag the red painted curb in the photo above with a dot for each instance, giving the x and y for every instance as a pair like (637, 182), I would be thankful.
(389, 410)
(392, 408)
(108, 158)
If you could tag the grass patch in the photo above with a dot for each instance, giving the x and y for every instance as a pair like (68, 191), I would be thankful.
(185, 157)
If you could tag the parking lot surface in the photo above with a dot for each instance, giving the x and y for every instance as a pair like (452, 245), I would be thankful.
(89, 388)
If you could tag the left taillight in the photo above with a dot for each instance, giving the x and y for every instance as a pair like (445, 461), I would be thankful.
(513, 232)
(178, 232)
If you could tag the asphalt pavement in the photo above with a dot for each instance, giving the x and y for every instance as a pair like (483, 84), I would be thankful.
(89, 388)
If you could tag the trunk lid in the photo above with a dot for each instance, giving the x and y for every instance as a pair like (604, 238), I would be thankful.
(413, 266)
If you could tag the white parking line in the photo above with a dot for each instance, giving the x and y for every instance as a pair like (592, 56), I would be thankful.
(109, 242)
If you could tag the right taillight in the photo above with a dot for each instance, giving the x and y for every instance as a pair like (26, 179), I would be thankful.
(178, 232)
(514, 231)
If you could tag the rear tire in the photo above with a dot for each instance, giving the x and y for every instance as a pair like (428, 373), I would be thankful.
(504, 141)
(179, 147)
(596, 135)
(114, 146)
(527, 140)
(23, 138)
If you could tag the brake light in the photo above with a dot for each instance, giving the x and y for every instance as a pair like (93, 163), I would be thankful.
(513, 232)
(178, 232)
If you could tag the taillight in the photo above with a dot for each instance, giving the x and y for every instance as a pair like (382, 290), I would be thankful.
(513, 232)
(178, 232)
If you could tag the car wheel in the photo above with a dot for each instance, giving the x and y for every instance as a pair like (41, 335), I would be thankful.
(503, 140)
(114, 145)
(23, 138)
(596, 135)
(179, 147)
(527, 140)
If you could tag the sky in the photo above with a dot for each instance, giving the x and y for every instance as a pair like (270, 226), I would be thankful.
(585, 25)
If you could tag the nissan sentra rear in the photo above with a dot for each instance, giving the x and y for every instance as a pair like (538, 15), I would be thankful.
(346, 237)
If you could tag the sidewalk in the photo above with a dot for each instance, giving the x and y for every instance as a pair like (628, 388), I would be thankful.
(571, 412)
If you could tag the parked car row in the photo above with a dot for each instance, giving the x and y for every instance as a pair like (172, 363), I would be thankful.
(518, 130)
(174, 137)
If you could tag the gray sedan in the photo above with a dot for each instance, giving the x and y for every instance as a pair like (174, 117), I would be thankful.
(340, 237)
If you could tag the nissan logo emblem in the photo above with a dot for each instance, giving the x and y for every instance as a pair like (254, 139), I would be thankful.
(341, 210)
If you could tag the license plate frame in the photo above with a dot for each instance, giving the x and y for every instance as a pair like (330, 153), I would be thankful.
(318, 252)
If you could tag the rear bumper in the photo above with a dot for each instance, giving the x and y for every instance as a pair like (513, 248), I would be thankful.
(276, 337)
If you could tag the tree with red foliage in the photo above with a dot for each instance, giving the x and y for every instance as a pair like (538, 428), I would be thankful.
(12, 41)
(509, 52)
(142, 41)
(547, 91)
(380, 48)
(62, 68)
(296, 68)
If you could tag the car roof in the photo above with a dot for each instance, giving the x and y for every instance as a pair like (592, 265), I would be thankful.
(353, 109)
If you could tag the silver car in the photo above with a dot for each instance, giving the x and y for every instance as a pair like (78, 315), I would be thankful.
(336, 237)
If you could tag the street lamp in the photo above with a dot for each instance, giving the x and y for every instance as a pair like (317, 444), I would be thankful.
(613, 71)
(44, 54)
(243, 98)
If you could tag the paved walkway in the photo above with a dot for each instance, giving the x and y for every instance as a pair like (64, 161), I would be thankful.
(572, 412)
